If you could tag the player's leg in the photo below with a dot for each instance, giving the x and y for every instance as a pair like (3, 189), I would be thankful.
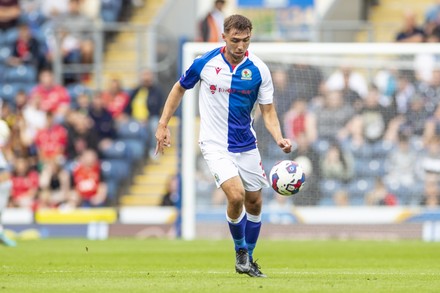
(225, 172)
(236, 217)
(254, 179)
(5, 189)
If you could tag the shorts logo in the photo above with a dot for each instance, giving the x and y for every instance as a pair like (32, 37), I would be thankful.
(217, 179)
(212, 88)
(246, 74)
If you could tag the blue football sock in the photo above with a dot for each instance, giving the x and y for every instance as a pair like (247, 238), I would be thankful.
(253, 226)
(237, 228)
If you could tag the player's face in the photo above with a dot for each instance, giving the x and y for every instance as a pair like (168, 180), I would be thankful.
(237, 43)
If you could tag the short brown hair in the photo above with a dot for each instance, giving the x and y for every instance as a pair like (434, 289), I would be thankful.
(238, 22)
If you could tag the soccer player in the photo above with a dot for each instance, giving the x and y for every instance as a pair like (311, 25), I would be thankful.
(233, 82)
(5, 184)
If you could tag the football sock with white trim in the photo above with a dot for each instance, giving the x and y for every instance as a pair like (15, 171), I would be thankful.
(253, 226)
(237, 229)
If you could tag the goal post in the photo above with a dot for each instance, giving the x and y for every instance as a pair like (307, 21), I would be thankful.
(364, 57)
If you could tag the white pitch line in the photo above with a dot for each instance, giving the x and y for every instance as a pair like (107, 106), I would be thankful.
(272, 272)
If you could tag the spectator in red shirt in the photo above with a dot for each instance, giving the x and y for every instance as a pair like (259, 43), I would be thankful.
(24, 184)
(87, 180)
(51, 141)
(115, 99)
(53, 97)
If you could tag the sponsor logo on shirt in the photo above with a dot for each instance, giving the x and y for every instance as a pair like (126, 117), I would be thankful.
(217, 69)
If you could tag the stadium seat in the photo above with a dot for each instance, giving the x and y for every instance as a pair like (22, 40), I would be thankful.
(115, 169)
(357, 189)
(21, 74)
(130, 129)
(369, 168)
(328, 188)
(5, 52)
(11, 35)
(381, 149)
(110, 10)
(118, 150)
(8, 92)
(136, 149)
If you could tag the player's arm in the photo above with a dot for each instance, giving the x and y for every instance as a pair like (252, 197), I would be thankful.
(163, 136)
(272, 124)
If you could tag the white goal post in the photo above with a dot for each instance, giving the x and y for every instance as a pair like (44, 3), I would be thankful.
(266, 51)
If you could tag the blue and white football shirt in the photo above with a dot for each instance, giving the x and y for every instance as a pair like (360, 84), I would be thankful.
(228, 97)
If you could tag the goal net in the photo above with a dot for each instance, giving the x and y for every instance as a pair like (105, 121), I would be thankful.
(364, 117)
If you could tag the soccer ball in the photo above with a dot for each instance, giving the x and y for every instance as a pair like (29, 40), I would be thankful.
(287, 177)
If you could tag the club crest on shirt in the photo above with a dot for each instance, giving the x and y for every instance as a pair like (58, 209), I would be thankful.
(246, 74)
(212, 88)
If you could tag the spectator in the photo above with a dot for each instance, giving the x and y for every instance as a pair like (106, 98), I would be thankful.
(211, 26)
(52, 97)
(330, 121)
(26, 49)
(295, 119)
(309, 161)
(81, 135)
(283, 91)
(55, 187)
(78, 25)
(425, 63)
(116, 99)
(337, 165)
(9, 14)
(25, 184)
(306, 80)
(431, 191)
(429, 160)
(54, 8)
(430, 91)
(346, 78)
(51, 141)
(171, 195)
(102, 120)
(411, 32)
(380, 195)
(432, 17)
(400, 165)
(145, 106)
(416, 115)
(372, 121)
(432, 126)
(90, 190)
(405, 90)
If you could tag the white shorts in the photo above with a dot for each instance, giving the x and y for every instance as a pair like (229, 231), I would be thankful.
(225, 165)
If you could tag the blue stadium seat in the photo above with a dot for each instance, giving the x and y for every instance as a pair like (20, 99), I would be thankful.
(5, 53)
(136, 149)
(358, 188)
(328, 188)
(112, 190)
(130, 129)
(116, 169)
(381, 149)
(110, 10)
(77, 89)
(11, 35)
(118, 150)
(8, 92)
(22, 74)
(369, 168)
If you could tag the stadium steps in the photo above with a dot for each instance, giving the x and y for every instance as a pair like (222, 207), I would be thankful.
(387, 18)
(148, 187)
(120, 58)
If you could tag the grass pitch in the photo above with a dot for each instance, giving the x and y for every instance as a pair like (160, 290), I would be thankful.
(128, 265)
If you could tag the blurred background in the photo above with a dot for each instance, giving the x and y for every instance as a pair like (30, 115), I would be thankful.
(83, 83)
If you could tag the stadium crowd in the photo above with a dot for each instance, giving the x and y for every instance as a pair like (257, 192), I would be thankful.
(360, 141)
(69, 146)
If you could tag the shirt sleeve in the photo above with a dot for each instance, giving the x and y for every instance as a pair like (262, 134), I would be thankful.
(192, 76)
(265, 94)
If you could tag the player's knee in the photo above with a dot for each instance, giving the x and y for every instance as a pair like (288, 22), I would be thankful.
(236, 200)
(254, 203)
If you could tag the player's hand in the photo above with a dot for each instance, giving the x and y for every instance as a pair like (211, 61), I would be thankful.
(163, 138)
(285, 145)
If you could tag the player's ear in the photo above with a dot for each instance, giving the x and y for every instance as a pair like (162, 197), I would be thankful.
(224, 37)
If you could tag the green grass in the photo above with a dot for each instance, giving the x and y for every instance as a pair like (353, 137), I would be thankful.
(128, 265)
